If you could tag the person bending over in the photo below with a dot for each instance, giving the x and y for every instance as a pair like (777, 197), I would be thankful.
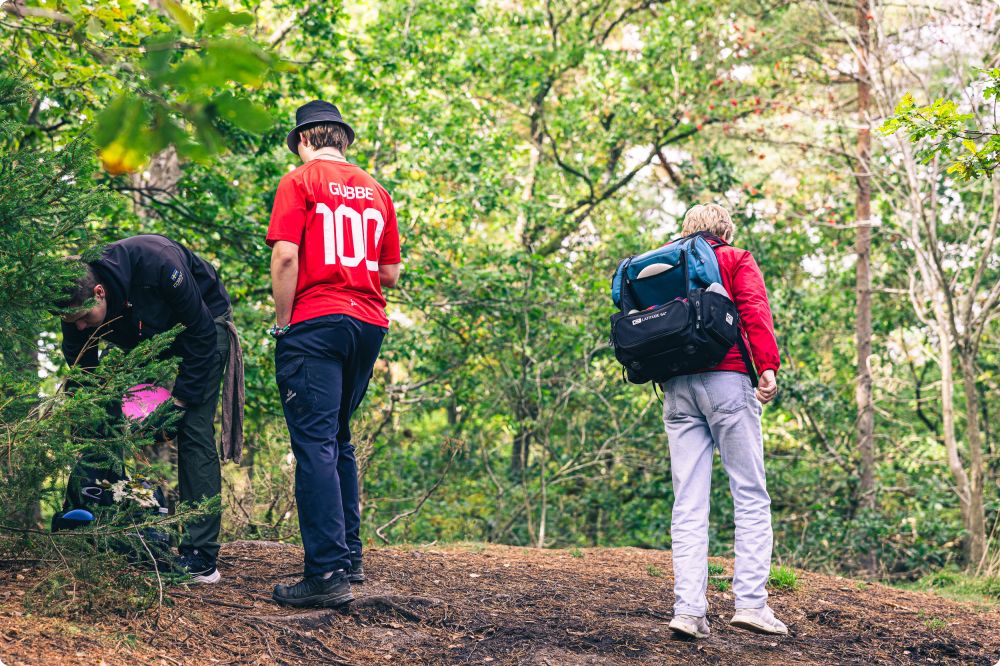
(141, 287)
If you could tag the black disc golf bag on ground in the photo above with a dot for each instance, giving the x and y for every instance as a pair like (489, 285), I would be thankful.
(672, 320)
(98, 485)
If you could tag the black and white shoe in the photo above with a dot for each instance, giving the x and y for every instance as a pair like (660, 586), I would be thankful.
(316, 591)
(357, 572)
(198, 566)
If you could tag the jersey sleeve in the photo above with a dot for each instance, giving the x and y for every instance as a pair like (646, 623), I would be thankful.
(389, 254)
(288, 214)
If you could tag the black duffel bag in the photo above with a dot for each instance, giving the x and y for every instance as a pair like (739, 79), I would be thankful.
(680, 337)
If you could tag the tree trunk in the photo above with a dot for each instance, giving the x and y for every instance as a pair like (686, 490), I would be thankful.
(962, 484)
(975, 524)
(519, 452)
(863, 289)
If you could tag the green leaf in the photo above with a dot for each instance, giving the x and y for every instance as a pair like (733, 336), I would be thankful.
(217, 19)
(110, 120)
(158, 55)
(970, 146)
(905, 104)
(180, 16)
(237, 60)
(243, 113)
(890, 126)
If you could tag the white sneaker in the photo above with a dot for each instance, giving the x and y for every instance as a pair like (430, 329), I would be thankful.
(690, 625)
(758, 620)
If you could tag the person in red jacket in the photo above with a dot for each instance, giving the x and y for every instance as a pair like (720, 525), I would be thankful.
(718, 408)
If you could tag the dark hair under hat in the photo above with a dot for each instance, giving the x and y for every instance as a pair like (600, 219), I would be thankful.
(314, 113)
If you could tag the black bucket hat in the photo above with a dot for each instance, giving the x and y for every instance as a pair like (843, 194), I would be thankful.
(313, 113)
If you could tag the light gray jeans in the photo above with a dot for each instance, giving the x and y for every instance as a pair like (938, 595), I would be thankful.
(702, 412)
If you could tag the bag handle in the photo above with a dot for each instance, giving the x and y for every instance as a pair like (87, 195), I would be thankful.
(627, 296)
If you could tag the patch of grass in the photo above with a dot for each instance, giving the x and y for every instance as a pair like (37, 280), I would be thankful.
(935, 624)
(576, 552)
(953, 584)
(783, 578)
(129, 640)
(654, 571)
(715, 569)
(861, 585)
(721, 584)
(990, 586)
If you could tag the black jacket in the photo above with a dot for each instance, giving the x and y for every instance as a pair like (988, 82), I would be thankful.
(153, 284)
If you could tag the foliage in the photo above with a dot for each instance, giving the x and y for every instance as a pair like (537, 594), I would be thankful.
(947, 128)
(170, 78)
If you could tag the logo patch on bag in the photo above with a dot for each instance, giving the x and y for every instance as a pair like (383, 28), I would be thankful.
(729, 319)
(641, 320)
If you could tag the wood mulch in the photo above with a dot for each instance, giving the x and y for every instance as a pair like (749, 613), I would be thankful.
(496, 605)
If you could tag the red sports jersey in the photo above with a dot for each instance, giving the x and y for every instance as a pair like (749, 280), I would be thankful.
(345, 226)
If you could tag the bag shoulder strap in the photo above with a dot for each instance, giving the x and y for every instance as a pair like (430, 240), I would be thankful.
(716, 242)
(711, 238)
(745, 353)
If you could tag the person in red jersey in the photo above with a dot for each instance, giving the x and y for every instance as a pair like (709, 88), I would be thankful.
(334, 246)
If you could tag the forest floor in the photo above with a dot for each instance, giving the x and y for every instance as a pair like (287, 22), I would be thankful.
(497, 605)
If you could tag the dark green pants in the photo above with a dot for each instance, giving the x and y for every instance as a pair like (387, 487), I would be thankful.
(199, 472)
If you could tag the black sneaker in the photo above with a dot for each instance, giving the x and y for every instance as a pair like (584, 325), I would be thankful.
(199, 566)
(357, 572)
(316, 591)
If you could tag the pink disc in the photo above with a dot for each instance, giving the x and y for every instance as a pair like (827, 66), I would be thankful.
(142, 400)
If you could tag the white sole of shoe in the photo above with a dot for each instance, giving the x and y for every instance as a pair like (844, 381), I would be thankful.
(686, 630)
(211, 578)
(756, 627)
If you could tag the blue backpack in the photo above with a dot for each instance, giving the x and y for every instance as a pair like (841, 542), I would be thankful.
(693, 253)
(671, 321)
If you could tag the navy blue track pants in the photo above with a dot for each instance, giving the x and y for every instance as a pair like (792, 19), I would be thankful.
(323, 366)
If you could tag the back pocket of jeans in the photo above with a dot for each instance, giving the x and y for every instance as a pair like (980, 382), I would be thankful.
(726, 391)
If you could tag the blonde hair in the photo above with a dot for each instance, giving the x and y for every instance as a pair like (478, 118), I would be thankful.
(710, 217)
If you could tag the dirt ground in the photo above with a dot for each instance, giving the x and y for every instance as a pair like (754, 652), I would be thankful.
(499, 605)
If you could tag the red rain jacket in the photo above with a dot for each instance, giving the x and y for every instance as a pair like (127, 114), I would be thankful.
(745, 283)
